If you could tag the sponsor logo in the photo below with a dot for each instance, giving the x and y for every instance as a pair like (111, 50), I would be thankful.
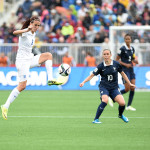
(35, 78)
(147, 75)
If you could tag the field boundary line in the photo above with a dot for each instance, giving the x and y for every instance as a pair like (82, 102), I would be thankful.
(70, 117)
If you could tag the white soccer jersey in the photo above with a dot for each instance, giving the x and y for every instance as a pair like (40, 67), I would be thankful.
(26, 41)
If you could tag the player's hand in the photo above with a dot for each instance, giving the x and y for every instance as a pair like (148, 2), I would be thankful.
(132, 85)
(129, 65)
(30, 27)
(135, 61)
(81, 84)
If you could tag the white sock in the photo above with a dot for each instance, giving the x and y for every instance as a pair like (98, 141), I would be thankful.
(49, 68)
(11, 97)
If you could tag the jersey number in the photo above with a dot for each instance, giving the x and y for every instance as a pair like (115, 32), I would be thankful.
(129, 58)
(110, 77)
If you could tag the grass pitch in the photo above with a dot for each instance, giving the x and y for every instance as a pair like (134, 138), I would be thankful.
(61, 120)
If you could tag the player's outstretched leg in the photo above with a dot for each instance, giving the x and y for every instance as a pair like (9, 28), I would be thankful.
(47, 58)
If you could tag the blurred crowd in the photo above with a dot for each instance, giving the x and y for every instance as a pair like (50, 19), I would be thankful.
(76, 21)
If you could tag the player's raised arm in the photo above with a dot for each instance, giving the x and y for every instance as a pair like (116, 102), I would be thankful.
(87, 79)
(19, 32)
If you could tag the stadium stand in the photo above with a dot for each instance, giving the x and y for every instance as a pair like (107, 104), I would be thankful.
(80, 21)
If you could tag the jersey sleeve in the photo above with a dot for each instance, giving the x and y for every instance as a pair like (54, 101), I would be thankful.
(97, 70)
(119, 52)
(119, 68)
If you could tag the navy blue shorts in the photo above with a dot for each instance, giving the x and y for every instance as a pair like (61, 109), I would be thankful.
(130, 74)
(111, 93)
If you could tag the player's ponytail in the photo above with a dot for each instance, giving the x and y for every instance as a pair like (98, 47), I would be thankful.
(27, 22)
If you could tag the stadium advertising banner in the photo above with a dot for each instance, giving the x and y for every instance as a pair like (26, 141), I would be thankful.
(38, 79)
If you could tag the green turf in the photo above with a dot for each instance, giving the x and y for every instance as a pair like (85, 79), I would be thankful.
(67, 122)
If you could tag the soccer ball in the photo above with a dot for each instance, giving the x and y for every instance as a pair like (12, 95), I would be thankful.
(64, 69)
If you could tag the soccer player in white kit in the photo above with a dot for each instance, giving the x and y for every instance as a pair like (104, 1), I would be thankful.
(26, 60)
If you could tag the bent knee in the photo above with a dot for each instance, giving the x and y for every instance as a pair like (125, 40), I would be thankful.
(49, 55)
(122, 103)
(105, 99)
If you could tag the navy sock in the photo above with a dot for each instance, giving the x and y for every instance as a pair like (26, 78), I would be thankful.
(131, 95)
(123, 91)
(121, 110)
(100, 109)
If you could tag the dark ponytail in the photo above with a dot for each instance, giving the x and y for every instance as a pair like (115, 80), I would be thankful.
(27, 22)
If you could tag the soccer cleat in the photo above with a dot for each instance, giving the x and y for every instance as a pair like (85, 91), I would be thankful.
(4, 112)
(130, 108)
(125, 119)
(110, 101)
(96, 121)
(54, 82)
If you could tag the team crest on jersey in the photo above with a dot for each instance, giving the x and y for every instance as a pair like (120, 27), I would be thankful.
(95, 70)
(114, 68)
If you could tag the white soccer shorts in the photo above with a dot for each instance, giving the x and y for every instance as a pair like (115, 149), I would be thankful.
(23, 67)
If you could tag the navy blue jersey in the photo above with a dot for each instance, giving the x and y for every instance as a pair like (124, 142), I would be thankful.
(109, 74)
(126, 54)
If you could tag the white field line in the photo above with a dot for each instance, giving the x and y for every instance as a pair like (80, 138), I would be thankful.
(69, 117)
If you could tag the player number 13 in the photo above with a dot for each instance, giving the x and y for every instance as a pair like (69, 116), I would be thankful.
(110, 77)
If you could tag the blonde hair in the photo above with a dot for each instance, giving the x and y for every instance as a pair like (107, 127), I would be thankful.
(107, 50)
